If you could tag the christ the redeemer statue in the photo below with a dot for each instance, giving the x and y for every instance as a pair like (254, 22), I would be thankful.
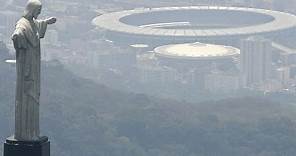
(26, 140)
(26, 39)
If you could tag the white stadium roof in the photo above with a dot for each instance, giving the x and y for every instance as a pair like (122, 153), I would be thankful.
(112, 22)
(196, 51)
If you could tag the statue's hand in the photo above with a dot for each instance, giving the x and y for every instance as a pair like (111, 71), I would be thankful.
(51, 20)
(14, 36)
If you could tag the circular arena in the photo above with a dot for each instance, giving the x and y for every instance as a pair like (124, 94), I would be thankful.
(196, 51)
(193, 23)
(196, 55)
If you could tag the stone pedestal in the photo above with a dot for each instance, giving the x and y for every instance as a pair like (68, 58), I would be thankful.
(39, 147)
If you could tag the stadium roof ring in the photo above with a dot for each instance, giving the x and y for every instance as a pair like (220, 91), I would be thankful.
(195, 21)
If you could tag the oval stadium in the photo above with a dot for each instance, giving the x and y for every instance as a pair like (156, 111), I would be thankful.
(193, 23)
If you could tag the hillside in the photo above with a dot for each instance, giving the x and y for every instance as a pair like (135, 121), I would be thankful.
(83, 118)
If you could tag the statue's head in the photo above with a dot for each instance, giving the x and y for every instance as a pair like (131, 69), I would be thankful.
(33, 8)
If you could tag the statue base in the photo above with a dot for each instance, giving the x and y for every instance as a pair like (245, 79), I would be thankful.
(39, 147)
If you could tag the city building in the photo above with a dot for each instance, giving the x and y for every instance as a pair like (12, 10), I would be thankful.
(283, 75)
(255, 61)
(220, 82)
(160, 75)
(286, 55)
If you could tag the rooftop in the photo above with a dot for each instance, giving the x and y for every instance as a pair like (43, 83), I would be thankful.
(264, 21)
(196, 51)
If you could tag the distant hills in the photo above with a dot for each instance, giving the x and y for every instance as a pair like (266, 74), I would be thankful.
(84, 118)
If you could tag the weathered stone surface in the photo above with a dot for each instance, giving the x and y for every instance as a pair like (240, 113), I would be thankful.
(26, 40)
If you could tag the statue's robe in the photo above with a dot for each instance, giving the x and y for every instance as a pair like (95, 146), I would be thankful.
(26, 41)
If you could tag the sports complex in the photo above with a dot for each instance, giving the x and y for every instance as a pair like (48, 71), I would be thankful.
(212, 24)
(195, 55)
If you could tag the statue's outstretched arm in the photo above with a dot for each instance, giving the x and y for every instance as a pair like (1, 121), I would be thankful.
(51, 20)
(42, 25)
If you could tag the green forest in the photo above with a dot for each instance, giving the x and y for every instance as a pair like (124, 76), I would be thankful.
(83, 118)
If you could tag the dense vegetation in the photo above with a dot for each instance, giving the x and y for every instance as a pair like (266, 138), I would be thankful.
(86, 119)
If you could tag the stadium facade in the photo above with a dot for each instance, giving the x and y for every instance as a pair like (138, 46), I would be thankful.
(195, 56)
(209, 24)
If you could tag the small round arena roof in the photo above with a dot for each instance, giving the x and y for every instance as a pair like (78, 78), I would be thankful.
(139, 45)
(10, 61)
(196, 51)
(195, 21)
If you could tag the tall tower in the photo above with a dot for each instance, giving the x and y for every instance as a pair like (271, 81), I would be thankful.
(255, 61)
